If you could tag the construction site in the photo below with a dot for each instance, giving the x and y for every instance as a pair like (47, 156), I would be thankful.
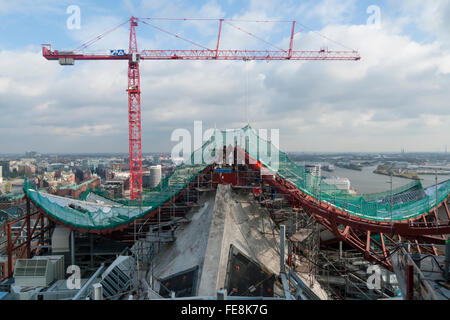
(239, 221)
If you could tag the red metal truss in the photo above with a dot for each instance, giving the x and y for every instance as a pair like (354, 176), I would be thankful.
(120, 228)
(16, 246)
(207, 54)
(248, 55)
(134, 116)
(376, 240)
(361, 233)
(133, 56)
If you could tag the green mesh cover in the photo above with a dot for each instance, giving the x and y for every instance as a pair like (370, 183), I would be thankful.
(369, 206)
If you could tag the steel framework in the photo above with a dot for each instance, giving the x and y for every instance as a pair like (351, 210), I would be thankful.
(134, 115)
(377, 241)
(26, 238)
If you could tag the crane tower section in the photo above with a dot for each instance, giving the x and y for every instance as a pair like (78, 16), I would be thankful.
(134, 115)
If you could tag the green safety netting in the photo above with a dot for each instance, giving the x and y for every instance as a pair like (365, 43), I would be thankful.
(87, 215)
(369, 206)
(98, 216)
(416, 184)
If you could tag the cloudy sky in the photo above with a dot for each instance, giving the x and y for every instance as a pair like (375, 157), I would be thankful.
(397, 97)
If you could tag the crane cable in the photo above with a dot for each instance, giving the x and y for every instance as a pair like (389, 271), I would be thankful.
(101, 36)
(247, 92)
(174, 35)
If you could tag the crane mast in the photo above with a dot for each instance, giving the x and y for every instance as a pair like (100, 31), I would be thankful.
(134, 89)
(134, 115)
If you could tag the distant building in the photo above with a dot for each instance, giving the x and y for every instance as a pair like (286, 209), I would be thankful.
(11, 199)
(151, 178)
(27, 169)
(56, 179)
(5, 168)
(79, 175)
(31, 154)
(329, 168)
(122, 176)
(116, 167)
(1, 176)
(146, 179)
(155, 176)
(75, 190)
(177, 161)
(115, 188)
(64, 183)
(314, 169)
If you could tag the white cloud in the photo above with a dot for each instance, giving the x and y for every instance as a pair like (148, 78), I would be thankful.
(395, 97)
(331, 11)
(429, 16)
(30, 7)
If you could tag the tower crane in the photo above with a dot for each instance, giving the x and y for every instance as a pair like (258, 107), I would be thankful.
(134, 57)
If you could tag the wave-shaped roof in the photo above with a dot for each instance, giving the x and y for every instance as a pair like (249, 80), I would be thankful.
(99, 216)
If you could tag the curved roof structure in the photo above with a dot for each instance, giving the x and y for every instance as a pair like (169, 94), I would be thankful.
(97, 215)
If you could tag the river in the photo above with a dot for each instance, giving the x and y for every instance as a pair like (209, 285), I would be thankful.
(366, 181)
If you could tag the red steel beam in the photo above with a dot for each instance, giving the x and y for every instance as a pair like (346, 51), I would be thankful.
(258, 55)
(28, 228)
(134, 116)
(9, 249)
(121, 227)
(368, 238)
(383, 246)
(11, 242)
(329, 213)
(447, 209)
(409, 282)
(418, 246)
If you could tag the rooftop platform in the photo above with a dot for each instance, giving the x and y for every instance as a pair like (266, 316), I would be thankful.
(230, 243)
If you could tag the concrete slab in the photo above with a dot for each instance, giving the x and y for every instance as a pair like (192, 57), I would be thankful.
(189, 249)
(226, 218)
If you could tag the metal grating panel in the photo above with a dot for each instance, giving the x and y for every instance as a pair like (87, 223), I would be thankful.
(115, 283)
